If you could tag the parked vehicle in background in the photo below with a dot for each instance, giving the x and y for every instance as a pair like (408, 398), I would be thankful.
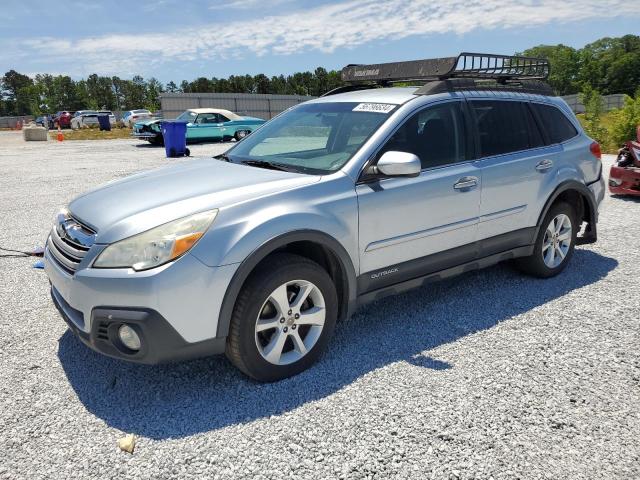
(203, 124)
(84, 118)
(624, 176)
(62, 119)
(133, 116)
(365, 192)
(87, 118)
(109, 113)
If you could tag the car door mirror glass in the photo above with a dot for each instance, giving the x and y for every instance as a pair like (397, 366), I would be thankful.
(399, 164)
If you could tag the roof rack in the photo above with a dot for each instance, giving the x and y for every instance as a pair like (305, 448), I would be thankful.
(507, 71)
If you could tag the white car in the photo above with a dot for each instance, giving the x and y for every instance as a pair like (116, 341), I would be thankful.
(133, 116)
(85, 118)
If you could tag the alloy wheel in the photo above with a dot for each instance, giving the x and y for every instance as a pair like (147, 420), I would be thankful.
(290, 322)
(557, 240)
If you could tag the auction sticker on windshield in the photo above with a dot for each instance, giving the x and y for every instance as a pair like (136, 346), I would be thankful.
(374, 107)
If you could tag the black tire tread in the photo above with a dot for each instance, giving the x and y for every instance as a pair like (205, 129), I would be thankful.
(270, 267)
(534, 265)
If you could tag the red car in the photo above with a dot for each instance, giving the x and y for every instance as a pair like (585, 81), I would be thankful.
(624, 177)
(62, 119)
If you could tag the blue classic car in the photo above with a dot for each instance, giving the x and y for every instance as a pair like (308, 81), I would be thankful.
(203, 124)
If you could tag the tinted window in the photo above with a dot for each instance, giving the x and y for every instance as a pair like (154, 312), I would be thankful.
(557, 125)
(436, 135)
(505, 127)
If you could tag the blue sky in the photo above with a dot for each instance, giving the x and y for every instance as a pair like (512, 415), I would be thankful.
(185, 39)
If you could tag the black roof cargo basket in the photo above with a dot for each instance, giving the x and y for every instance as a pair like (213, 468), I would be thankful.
(480, 70)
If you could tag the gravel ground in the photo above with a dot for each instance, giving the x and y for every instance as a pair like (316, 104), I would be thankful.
(489, 375)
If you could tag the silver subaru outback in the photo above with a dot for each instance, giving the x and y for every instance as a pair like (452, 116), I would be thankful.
(367, 191)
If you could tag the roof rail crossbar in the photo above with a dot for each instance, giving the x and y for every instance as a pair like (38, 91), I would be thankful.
(465, 65)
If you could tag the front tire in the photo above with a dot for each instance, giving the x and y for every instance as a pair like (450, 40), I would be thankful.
(240, 134)
(554, 244)
(283, 318)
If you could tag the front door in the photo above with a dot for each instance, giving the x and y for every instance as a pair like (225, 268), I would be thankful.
(413, 226)
(205, 126)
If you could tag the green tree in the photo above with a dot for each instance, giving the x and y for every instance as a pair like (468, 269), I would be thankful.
(14, 86)
(611, 65)
(593, 105)
(626, 120)
(154, 88)
(565, 67)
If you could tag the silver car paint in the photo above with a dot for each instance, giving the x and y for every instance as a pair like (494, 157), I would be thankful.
(256, 205)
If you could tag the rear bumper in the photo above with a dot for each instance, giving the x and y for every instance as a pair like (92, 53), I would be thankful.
(624, 180)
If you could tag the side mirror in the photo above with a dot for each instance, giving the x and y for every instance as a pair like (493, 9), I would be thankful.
(399, 164)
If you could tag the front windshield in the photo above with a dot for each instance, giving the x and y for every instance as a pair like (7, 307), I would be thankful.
(187, 116)
(313, 138)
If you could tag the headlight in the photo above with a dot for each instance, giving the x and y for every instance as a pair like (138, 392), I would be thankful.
(158, 245)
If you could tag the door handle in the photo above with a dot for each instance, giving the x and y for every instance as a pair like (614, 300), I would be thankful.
(466, 183)
(544, 165)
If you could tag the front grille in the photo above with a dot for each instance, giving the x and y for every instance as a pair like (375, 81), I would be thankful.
(71, 247)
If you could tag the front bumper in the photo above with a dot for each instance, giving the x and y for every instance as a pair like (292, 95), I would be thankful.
(174, 307)
(160, 343)
(145, 135)
(624, 180)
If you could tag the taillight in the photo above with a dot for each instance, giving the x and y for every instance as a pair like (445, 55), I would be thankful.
(595, 150)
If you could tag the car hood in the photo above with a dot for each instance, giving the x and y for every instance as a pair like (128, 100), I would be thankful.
(139, 202)
(148, 121)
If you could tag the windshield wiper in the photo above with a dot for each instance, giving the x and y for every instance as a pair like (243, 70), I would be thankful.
(223, 156)
(271, 165)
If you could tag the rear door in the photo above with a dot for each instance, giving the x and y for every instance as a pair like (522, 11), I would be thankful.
(409, 227)
(514, 163)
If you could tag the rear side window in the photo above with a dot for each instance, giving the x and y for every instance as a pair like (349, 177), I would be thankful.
(557, 125)
(505, 127)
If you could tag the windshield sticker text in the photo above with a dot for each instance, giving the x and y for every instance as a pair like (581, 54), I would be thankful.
(374, 107)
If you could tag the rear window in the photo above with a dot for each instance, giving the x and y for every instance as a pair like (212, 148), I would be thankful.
(505, 127)
(557, 125)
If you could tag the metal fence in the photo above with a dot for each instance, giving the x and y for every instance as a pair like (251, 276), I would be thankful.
(252, 105)
(609, 102)
(11, 122)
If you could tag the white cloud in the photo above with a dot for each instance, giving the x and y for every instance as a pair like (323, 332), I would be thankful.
(325, 28)
(246, 4)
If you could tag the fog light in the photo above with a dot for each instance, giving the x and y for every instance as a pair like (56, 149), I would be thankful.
(129, 337)
(615, 182)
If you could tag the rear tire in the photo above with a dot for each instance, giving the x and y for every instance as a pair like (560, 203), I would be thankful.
(283, 318)
(554, 244)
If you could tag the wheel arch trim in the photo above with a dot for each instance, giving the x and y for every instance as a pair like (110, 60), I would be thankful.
(585, 193)
(248, 265)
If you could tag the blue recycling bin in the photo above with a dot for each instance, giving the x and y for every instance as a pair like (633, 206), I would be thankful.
(105, 124)
(174, 133)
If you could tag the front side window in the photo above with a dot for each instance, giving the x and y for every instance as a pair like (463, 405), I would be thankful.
(436, 135)
(504, 127)
(557, 125)
(187, 116)
(313, 138)
(207, 119)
